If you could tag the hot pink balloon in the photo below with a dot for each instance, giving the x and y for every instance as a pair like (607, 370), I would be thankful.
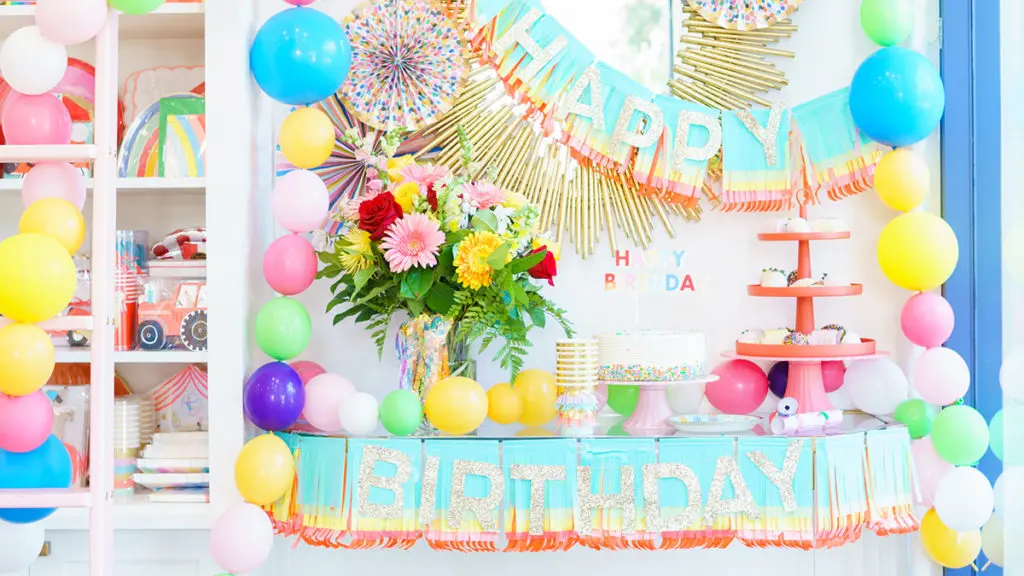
(927, 319)
(300, 201)
(930, 468)
(741, 387)
(832, 373)
(25, 421)
(40, 119)
(307, 370)
(289, 264)
(242, 538)
(53, 180)
(941, 376)
(324, 396)
(70, 22)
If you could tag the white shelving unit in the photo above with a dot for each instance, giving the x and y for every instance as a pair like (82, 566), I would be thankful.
(75, 355)
(132, 185)
(170, 21)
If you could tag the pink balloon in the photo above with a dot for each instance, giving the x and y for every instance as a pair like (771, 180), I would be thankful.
(300, 201)
(307, 370)
(53, 180)
(927, 319)
(324, 396)
(741, 387)
(242, 538)
(930, 468)
(70, 22)
(832, 373)
(289, 265)
(41, 119)
(25, 421)
(941, 376)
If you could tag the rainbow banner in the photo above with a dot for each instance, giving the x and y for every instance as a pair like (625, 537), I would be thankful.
(462, 493)
(610, 512)
(382, 493)
(783, 490)
(540, 494)
(679, 499)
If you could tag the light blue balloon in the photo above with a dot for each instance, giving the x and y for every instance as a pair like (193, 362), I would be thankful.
(995, 435)
(300, 56)
(48, 466)
(897, 97)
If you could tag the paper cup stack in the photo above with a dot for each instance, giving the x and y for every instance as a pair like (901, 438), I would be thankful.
(576, 375)
(127, 440)
(147, 420)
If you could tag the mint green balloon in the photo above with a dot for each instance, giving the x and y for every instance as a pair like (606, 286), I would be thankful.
(995, 432)
(887, 22)
(283, 328)
(401, 412)
(960, 435)
(135, 6)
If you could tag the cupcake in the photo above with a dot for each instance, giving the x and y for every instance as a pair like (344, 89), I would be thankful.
(773, 278)
(752, 336)
(850, 338)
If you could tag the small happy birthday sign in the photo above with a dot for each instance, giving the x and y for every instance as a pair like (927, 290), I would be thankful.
(649, 271)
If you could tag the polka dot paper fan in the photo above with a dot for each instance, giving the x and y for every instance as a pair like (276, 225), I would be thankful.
(745, 14)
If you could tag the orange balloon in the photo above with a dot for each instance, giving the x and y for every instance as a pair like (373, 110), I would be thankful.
(538, 391)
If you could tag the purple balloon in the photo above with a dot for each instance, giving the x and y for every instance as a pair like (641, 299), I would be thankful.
(274, 396)
(778, 375)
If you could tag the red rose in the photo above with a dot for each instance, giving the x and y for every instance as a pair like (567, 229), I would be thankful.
(432, 196)
(377, 213)
(546, 269)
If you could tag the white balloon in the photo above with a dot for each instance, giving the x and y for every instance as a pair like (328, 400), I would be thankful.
(30, 63)
(992, 540)
(685, 398)
(840, 399)
(941, 376)
(1009, 492)
(358, 414)
(963, 499)
(20, 545)
(1011, 375)
(876, 386)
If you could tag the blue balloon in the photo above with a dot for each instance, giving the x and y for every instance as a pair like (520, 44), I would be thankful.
(300, 56)
(897, 97)
(48, 466)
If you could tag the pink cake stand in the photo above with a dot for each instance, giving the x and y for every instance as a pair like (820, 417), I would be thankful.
(652, 409)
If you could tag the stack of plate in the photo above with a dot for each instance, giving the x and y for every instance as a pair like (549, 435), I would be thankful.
(127, 441)
(147, 420)
(576, 363)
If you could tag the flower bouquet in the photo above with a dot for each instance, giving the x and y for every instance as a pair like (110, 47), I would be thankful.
(444, 246)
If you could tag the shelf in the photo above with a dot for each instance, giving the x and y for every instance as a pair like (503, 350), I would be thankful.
(46, 498)
(133, 186)
(802, 236)
(61, 323)
(138, 513)
(83, 355)
(61, 153)
(805, 353)
(172, 20)
(805, 291)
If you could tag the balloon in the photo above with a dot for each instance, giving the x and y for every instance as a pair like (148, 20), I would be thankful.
(70, 22)
(1010, 481)
(41, 119)
(300, 56)
(960, 435)
(242, 538)
(30, 63)
(307, 370)
(307, 137)
(623, 399)
(264, 470)
(25, 421)
(917, 416)
(27, 359)
(685, 399)
(274, 396)
(832, 374)
(299, 2)
(927, 319)
(56, 218)
(358, 414)
(538, 392)
(917, 251)
(300, 201)
(504, 406)
(947, 547)
(48, 466)
(283, 328)
(740, 389)
(456, 405)
(325, 394)
(840, 399)
(931, 468)
(39, 278)
(902, 180)
(1011, 376)
(964, 499)
(289, 264)
(19, 546)
(887, 22)
(896, 97)
(876, 386)
(138, 7)
(778, 376)
(992, 540)
(995, 435)
(941, 376)
(401, 412)
(53, 180)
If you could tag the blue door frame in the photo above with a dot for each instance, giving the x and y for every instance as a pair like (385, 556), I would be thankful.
(971, 199)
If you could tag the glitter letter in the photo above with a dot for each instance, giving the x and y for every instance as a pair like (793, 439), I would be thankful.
(783, 479)
(428, 492)
(572, 104)
(682, 151)
(766, 135)
(537, 475)
(520, 32)
(652, 504)
(367, 480)
(652, 130)
(483, 508)
(588, 502)
(743, 502)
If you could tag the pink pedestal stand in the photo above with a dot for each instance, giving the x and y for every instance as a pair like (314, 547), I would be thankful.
(652, 410)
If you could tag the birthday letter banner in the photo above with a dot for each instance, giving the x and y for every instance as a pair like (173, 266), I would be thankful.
(771, 158)
(606, 494)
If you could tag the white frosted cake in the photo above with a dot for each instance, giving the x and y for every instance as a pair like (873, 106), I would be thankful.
(651, 356)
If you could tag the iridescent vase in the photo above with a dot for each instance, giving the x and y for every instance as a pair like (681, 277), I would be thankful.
(428, 351)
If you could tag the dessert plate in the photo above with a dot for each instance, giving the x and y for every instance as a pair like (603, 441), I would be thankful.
(714, 423)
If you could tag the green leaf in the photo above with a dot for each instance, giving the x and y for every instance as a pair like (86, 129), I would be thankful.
(486, 221)
(499, 257)
(365, 315)
(526, 262)
(441, 298)
(416, 283)
(416, 307)
(338, 282)
(538, 317)
(518, 293)
(334, 303)
(446, 260)
(347, 314)
(359, 279)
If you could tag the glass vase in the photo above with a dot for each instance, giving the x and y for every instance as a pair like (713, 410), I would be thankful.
(428, 351)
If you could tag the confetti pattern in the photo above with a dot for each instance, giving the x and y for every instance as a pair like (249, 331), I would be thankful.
(745, 14)
(407, 64)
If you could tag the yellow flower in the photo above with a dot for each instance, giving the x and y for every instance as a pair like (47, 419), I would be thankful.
(395, 166)
(514, 200)
(471, 265)
(554, 247)
(405, 194)
(357, 256)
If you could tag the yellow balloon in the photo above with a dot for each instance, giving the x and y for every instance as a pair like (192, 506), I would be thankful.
(902, 180)
(264, 470)
(56, 218)
(504, 406)
(538, 391)
(917, 251)
(948, 547)
(534, 432)
(26, 359)
(37, 278)
(456, 405)
(307, 137)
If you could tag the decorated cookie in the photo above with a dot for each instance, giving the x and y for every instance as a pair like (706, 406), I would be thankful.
(797, 226)
(850, 338)
(803, 283)
(773, 278)
(795, 338)
(792, 278)
(752, 336)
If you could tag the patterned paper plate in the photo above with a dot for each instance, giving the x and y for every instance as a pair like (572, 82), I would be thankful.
(745, 14)
(714, 423)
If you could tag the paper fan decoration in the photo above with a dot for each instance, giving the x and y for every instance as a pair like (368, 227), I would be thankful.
(407, 64)
(745, 14)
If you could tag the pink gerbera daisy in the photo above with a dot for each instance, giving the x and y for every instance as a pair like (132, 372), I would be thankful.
(413, 240)
(482, 195)
(424, 174)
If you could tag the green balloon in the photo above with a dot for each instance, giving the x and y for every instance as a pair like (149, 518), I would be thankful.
(135, 6)
(623, 399)
(401, 412)
(960, 435)
(887, 22)
(917, 415)
(283, 328)
(995, 432)
(618, 430)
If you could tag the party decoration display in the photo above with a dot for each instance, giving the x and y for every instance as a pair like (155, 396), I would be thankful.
(941, 376)
(56, 218)
(401, 412)
(902, 180)
(927, 319)
(876, 386)
(70, 22)
(917, 251)
(917, 415)
(741, 387)
(39, 73)
(283, 328)
(887, 22)
(48, 466)
(538, 392)
(289, 264)
(325, 394)
(53, 180)
(897, 97)
(504, 405)
(27, 359)
(964, 499)
(264, 470)
(274, 396)
(307, 137)
(39, 278)
(960, 435)
(947, 547)
(35, 120)
(25, 421)
(19, 546)
(456, 405)
(242, 538)
(358, 414)
(300, 201)
(137, 7)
